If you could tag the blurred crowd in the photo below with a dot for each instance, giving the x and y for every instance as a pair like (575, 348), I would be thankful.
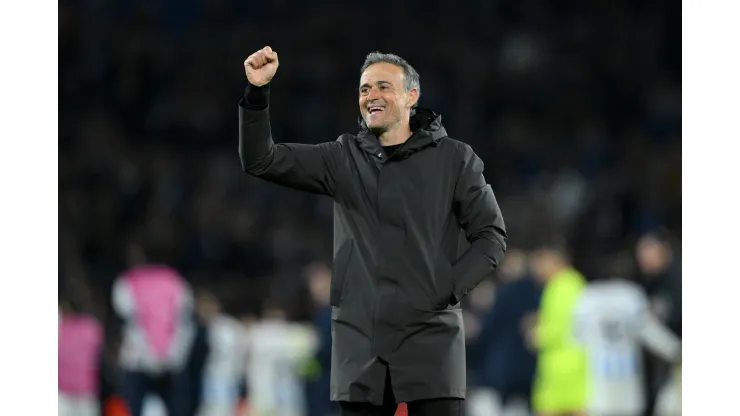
(574, 106)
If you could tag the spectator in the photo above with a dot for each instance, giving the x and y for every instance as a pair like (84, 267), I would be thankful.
(80, 347)
(156, 305)
(613, 320)
(660, 271)
(319, 281)
(277, 352)
(226, 359)
(508, 363)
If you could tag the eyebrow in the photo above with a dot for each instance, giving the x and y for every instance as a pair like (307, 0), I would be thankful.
(377, 83)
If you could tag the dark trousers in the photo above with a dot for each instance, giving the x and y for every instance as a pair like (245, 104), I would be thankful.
(432, 407)
(174, 389)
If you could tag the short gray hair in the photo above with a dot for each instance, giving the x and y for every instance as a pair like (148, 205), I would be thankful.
(410, 76)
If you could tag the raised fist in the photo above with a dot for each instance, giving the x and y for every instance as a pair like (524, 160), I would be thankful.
(261, 66)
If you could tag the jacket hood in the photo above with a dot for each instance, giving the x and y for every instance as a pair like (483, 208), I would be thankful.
(426, 126)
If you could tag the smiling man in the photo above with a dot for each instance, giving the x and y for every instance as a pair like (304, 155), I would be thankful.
(416, 228)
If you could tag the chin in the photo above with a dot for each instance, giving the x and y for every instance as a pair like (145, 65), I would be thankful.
(378, 129)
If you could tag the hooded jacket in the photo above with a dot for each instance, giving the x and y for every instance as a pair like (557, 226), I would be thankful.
(414, 232)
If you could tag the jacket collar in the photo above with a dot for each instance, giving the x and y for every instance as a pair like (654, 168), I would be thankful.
(426, 128)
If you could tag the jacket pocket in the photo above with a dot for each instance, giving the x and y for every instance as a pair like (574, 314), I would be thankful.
(339, 272)
(441, 289)
(444, 284)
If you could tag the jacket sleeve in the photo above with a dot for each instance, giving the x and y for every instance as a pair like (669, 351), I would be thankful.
(311, 168)
(480, 217)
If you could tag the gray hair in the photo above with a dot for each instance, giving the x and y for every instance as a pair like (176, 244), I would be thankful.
(410, 76)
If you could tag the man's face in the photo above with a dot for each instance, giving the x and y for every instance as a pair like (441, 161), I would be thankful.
(207, 306)
(652, 256)
(543, 264)
(384, 102)
(514, 265)
(319, 281)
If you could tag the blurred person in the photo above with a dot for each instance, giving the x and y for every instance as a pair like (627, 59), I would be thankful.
(157, 307)
(416, 228)
(197, 361)
(560, 384)
(660, 274)
(319, 388)
(153, 406)
(276, 352)
(612, 321)
(479, 301)
(247, 321)
(225, 359)
(668, 402)
(508, 364)
(80, 348)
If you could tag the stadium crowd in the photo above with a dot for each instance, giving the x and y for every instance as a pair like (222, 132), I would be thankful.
(574, 106)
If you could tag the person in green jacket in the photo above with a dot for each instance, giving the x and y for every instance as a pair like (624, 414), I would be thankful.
(560, 386)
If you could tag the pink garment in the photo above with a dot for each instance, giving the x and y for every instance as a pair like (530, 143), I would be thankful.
(80, 341)
(158, 293)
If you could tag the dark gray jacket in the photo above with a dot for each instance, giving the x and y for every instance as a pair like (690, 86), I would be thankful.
(414, 232)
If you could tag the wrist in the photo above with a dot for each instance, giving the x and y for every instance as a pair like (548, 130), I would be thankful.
(257, 95)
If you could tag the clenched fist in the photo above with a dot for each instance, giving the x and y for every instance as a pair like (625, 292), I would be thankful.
(261, 66)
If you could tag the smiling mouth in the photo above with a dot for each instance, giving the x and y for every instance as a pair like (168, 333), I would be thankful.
(374, 110)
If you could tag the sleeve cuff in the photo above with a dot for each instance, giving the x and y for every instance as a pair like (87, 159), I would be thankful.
(256, 97)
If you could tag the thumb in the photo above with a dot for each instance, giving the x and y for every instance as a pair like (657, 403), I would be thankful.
(268, 50)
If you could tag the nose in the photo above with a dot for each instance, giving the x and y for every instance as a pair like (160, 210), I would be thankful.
(373, 94)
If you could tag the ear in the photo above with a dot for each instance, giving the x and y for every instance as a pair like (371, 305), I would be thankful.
(413, 97)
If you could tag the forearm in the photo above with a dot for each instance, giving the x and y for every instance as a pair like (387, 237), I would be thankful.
(660, 340)
(255, 137)
(480, 260)
(300, 166)
(480, 217)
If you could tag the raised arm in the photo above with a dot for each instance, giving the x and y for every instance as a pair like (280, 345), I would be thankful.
(311, 168)
(480, 217)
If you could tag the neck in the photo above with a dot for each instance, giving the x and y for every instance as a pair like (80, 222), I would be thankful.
(395, 136)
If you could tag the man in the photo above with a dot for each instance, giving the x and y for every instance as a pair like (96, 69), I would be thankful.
(156, 304)
(80, 345)
(277, 351)
(508, 365)
(612, 320)
(660, 272)
(561, 374)
(225, 361)
(318, 393)
(416, 227)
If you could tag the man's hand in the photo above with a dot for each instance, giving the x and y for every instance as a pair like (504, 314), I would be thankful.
(261, 66)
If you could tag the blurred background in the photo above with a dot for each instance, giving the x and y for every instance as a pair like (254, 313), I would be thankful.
(574, 106)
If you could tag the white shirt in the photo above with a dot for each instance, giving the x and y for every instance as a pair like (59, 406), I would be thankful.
(276, 350)
(226, 360)
(612, 321)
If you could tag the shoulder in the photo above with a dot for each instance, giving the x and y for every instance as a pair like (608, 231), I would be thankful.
(342, 143)
(460, 149)
(461, 154)
(346, 139)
